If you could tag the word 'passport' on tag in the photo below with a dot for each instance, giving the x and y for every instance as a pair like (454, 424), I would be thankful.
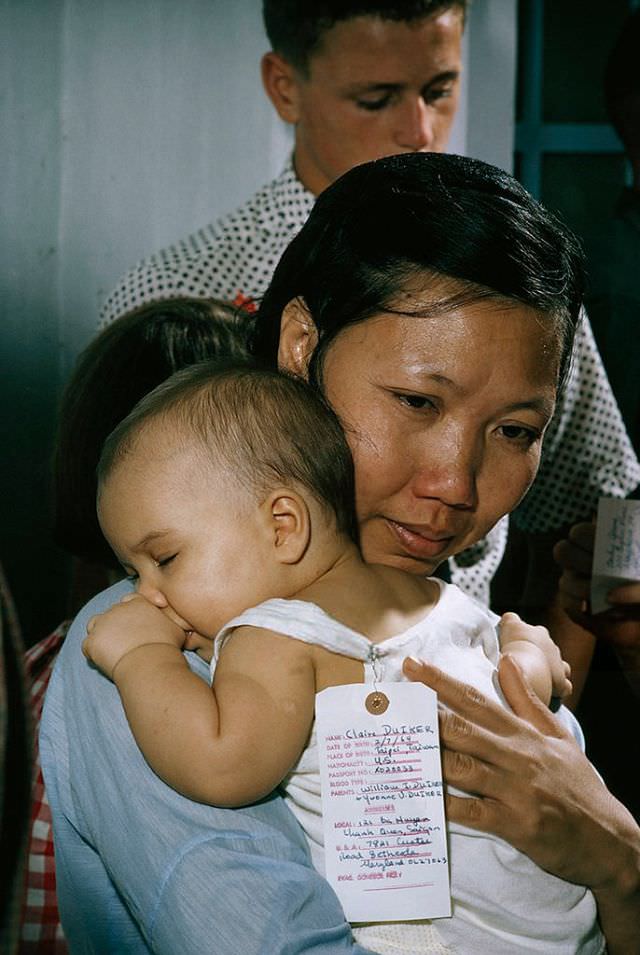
(382, 801)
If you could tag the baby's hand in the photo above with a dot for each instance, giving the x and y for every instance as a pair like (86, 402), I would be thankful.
(514, 631)
(126, 626)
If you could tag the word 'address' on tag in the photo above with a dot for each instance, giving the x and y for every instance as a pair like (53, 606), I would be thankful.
(382, 802)
(616, 553)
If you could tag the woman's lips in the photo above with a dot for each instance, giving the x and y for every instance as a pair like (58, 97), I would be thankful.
(419, 541)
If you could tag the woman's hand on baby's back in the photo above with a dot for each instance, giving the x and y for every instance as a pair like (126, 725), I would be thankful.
(125, 627)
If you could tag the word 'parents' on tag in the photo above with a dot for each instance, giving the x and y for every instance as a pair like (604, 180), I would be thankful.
(382, 801)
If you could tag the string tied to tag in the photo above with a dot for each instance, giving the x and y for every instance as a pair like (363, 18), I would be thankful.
(376, 702)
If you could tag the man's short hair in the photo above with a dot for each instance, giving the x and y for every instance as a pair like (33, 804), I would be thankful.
(264, 427)
(295, 27)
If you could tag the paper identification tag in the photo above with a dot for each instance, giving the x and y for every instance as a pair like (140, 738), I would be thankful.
(616, 554)
(382, 802)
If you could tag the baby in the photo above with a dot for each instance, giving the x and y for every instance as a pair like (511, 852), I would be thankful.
(231, 488)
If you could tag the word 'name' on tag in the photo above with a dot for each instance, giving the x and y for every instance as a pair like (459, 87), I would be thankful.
(382, 801)
(616, 553)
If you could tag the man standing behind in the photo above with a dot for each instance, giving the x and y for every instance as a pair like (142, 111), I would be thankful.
(360, 80)
(357, 81)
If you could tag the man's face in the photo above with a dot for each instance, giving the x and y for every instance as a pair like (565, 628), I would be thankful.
(375, 88)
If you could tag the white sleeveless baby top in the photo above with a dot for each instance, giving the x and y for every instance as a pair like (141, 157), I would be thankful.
(502, 903)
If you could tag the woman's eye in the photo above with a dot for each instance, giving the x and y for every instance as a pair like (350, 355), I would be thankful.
(416, 401)
(520, 434)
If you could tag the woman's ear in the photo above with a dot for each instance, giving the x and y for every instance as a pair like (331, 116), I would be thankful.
(281, 82)
(298, 338)
(289, 524)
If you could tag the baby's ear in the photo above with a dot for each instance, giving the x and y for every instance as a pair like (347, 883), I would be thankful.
(289, 524)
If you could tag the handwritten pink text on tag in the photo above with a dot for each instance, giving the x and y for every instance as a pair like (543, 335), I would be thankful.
(383, 808)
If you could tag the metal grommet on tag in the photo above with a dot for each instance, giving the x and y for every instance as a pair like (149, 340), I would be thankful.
(377, 702)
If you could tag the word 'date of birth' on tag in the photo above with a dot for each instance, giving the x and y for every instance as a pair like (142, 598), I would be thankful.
(382, 801)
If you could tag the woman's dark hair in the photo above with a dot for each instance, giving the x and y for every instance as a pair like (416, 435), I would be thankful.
(121, 365)
(392, 220)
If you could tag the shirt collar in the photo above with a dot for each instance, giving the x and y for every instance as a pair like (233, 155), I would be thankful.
(293, 201)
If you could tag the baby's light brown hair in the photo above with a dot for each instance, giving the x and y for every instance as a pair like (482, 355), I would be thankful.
(264, 427)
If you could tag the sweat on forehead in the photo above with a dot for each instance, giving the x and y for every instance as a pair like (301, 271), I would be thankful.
(265, 428)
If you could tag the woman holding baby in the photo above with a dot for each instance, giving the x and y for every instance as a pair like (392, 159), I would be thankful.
(433, 303)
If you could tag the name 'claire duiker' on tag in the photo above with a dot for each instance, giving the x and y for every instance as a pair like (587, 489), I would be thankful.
(382, 801)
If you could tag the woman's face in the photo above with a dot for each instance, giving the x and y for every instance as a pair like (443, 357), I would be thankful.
(444, 416)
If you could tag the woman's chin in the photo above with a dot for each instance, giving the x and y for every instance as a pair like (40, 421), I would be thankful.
(410, 552)
(411, 565)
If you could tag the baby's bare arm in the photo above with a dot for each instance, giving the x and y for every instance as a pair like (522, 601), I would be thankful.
(231, 744)
(538, 656)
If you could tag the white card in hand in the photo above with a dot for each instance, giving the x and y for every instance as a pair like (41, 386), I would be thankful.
(616, 554)
(382, 802)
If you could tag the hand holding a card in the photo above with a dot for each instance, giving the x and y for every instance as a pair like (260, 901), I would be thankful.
(605, 602)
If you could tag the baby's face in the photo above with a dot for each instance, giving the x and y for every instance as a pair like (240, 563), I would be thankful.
(187, 534)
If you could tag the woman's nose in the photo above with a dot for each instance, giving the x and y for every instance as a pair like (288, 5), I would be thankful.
(415, 126)
(449, 474)
(148, 589)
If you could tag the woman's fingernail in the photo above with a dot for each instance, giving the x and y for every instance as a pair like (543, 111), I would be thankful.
(411, 663)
